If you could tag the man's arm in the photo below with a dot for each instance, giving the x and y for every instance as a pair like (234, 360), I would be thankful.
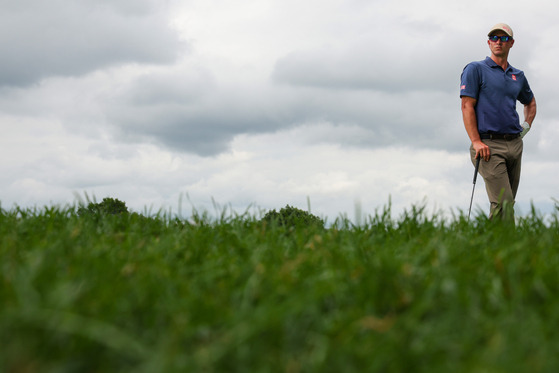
(530, 111)
(470, 122)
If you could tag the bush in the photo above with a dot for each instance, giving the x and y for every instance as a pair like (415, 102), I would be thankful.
(292, 217)
(109, 206)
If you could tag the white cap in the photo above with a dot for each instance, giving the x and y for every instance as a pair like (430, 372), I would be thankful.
(501, 27)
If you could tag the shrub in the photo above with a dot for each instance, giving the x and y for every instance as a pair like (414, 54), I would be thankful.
(292, 217)
(109, 206)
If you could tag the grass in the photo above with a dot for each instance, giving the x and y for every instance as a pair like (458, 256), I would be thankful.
(415, 293)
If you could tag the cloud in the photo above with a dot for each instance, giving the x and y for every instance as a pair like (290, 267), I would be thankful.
(286, 167)
(375, 64)
(67, 38)
(189, 109)
(199, 108)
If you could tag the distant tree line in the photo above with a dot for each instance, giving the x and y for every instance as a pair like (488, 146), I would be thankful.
(288, 217)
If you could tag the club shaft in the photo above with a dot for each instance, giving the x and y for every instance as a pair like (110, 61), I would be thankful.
(474, 187)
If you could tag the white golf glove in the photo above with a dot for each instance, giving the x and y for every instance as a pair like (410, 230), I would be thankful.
(525, 129)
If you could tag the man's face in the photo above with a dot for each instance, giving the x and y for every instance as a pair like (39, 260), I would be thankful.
(500, 48)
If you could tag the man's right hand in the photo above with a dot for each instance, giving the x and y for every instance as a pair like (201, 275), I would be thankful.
(482, 150)
(470, 122)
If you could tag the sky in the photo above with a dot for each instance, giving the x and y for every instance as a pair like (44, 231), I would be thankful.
(344, 106)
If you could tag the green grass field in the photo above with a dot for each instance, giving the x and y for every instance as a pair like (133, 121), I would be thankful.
(413, 293)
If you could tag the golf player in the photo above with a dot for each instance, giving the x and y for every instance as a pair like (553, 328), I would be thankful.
(489, 90)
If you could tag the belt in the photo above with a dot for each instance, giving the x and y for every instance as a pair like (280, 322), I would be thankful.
(499, 136)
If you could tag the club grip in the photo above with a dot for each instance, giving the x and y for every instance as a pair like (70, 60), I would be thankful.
(477, 168)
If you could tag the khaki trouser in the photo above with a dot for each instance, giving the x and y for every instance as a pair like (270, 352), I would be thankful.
(501, 174)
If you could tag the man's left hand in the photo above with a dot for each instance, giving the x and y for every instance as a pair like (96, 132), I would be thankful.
(525, 129)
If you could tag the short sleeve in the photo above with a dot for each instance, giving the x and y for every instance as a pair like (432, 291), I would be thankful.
(470, 81)
(526, 95)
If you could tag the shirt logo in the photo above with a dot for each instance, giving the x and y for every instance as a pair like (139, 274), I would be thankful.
(513, 77)
(464, 86)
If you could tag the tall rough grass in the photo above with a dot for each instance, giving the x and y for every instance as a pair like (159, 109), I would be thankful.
(416, 293)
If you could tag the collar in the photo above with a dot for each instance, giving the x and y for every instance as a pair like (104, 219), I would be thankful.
(493, 64)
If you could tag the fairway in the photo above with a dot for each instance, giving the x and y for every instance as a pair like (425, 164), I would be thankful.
(412, 293)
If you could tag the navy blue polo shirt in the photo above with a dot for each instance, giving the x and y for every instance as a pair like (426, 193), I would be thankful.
(496, 92)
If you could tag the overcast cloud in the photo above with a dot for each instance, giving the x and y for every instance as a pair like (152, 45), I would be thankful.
(261, 103)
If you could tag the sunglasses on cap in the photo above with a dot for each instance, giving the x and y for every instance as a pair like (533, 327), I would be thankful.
(495, 38)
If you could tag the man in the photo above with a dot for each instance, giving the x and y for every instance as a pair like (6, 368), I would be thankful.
(489, 90)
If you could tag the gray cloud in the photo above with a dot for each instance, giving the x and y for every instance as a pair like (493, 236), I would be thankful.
(394, 88)
(193, 117)
(395, 63)
(62, 37)
(188, 110)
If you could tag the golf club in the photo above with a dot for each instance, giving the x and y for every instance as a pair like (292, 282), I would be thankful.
(474, 187)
